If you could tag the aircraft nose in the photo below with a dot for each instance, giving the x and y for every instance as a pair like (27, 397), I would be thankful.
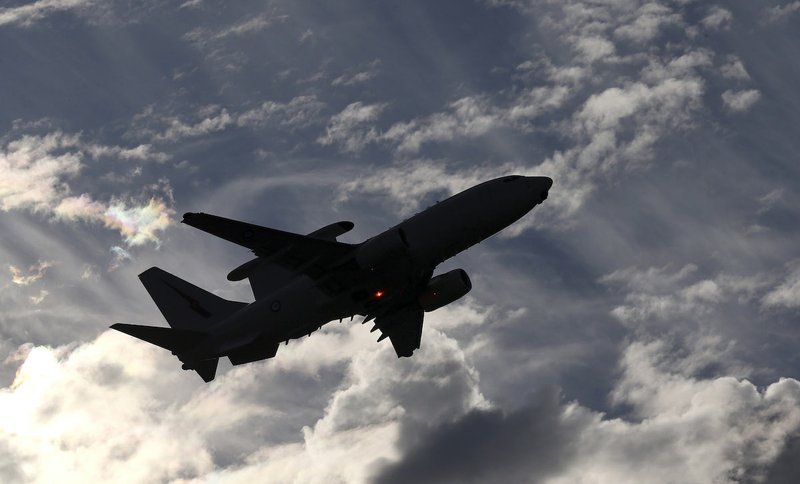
(541, 186)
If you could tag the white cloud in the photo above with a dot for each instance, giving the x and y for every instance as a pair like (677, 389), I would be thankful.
(116, 409)
(299, 112)
(406, 184)
(615, 129)
(787, 293)
(714, 429)
(80, 415)
(738, 101)
(32, 169)
(26, 15)
(718, 18)
(649, 110)
(778, 13)
(467, 117)
(177, 129)
(594, 48)
(350, 129)
(39, 298)
(35, 272)
(734, 69)
(647, 22)
(201, 36)
(140, 152)
(137, 223)
(372, 70)
(473, 116)
(35, 172)
(658, 294)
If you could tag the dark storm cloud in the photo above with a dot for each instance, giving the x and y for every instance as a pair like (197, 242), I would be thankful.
(525, 445)
(786, 468)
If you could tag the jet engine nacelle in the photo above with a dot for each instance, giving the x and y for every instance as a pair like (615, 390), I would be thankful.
(380, 249)
(444, 289)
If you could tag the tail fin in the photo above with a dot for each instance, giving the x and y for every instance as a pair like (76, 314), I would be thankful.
(175, 340)
(184, 305)
(188, 309)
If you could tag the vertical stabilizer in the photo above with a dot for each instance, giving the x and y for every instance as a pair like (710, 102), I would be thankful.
(184, 305)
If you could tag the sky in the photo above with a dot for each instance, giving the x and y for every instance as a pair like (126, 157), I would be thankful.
(641, 325)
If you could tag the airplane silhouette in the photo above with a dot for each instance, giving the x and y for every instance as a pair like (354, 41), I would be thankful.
(301, 282)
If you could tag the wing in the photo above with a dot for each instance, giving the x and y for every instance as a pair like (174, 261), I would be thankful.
(403, 328)
(308, 255)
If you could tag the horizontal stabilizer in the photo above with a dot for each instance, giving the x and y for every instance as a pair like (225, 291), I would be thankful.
(175, 340)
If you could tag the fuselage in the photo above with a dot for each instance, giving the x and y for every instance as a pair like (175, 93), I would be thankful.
(385, 270)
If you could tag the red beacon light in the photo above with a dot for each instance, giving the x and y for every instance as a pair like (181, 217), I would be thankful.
(379, 294)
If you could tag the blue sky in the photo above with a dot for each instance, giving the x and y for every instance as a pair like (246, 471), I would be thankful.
(640, 326)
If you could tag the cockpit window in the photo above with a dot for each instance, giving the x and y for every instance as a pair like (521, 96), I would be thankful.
(511, 178)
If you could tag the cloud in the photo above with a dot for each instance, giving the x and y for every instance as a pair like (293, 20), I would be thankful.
(718, 18)
(39, 298)
(621, 106)
(202, 36)
(648, 110)
(713, 429)
(27, 15)
(35, 174)
(468, 117)
(779, 13)
(217, 120)
(101, 12)
(525, 445)
(738, 101)
(349, 127)
(646, 23)
(658, 294)
(119, 409)
(735, 69)
(140, 152)
(299, 112)
(91, 432)
(32, 169)
(36, 272)
(137, 223)
(406, 184)
(787, 293)
(371, 71)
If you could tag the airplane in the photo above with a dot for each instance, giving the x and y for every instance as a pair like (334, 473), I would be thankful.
(301, 282)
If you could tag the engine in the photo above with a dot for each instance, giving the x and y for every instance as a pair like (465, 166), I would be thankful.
(380, 249)
(444, 289)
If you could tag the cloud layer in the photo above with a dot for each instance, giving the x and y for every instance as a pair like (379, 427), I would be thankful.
(639, 326)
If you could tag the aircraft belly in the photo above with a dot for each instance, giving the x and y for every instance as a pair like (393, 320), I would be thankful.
(280, 316)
